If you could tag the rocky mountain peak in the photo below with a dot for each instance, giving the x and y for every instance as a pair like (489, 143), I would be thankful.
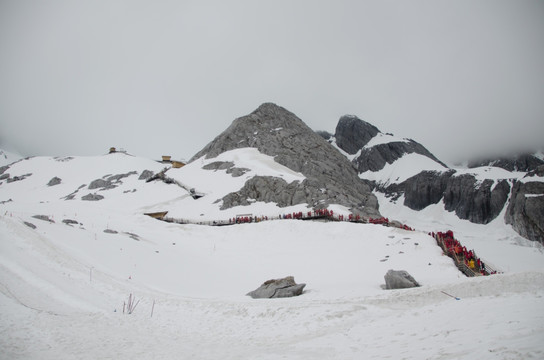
(277, 132)
(353, 133)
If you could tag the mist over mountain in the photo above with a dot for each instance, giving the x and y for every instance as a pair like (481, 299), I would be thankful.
(292, 166)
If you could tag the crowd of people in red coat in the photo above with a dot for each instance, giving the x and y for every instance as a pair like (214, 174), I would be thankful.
(454, 248)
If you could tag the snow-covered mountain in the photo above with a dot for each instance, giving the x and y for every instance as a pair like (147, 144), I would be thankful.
(509, 188)
(75, 243)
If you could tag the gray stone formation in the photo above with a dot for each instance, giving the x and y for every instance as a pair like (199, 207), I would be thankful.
(226, 165)
(109, 181)
(43, 218)
(525, 211)
(478, 202)
(274, 131)
(352, 134)
(145, 175)
(399, 279)
(277, 288)
(54, 181)
(92, 197)
(30, 225)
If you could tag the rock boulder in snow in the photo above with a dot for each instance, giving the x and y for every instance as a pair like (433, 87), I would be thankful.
(54, 181)
(278, 288)
(399, 279)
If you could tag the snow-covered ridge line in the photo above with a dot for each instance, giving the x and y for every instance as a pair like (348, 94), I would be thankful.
(382, 138)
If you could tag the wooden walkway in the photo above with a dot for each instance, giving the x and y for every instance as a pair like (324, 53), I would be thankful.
(461, 262)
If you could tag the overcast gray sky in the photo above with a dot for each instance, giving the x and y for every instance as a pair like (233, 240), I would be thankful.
(165, 77)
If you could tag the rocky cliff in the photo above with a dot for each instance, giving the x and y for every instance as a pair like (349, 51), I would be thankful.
(274, 131)
(525, 211)
(471, 197)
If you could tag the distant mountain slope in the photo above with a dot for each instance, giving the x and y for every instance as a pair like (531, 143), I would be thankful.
(404, 169)
(274, 131)
(520, 162)
(104, 180)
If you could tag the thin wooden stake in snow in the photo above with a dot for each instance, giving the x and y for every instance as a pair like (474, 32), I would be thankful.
(152, 308)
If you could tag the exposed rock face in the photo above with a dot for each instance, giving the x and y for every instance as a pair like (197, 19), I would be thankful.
(226, 165)
(376, 157)
(425, 188)
(92, 197)
(399, 279)
(353, 134)
(54, 181)
(274, 131)
(278, 288)
(477, 202)
(145, 175)
(44, 218)
(523, 163)
(109, 181)
(526, 210)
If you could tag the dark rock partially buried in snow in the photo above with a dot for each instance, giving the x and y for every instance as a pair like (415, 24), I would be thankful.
(44, 218)
(399, 279)
(277, 288)
(92, 197)
(30, 225)
(145, 175)
(54, 181)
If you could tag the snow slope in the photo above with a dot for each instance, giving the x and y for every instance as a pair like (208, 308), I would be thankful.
(63, 285)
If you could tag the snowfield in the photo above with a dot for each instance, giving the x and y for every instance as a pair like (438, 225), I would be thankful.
(64, 282)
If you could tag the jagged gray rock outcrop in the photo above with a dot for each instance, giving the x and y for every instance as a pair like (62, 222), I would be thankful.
(478, 202)
(276, 132)
(226, 165)
(277, 288)
(92, 197)
(145, 175)
(109, 181)
(474, 201)
(54, 181)
(525, 211)
(399, 279)
(353, 133)
(425, 188)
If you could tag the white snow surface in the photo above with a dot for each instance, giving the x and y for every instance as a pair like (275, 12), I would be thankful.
(382, 138)
(63, 286)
